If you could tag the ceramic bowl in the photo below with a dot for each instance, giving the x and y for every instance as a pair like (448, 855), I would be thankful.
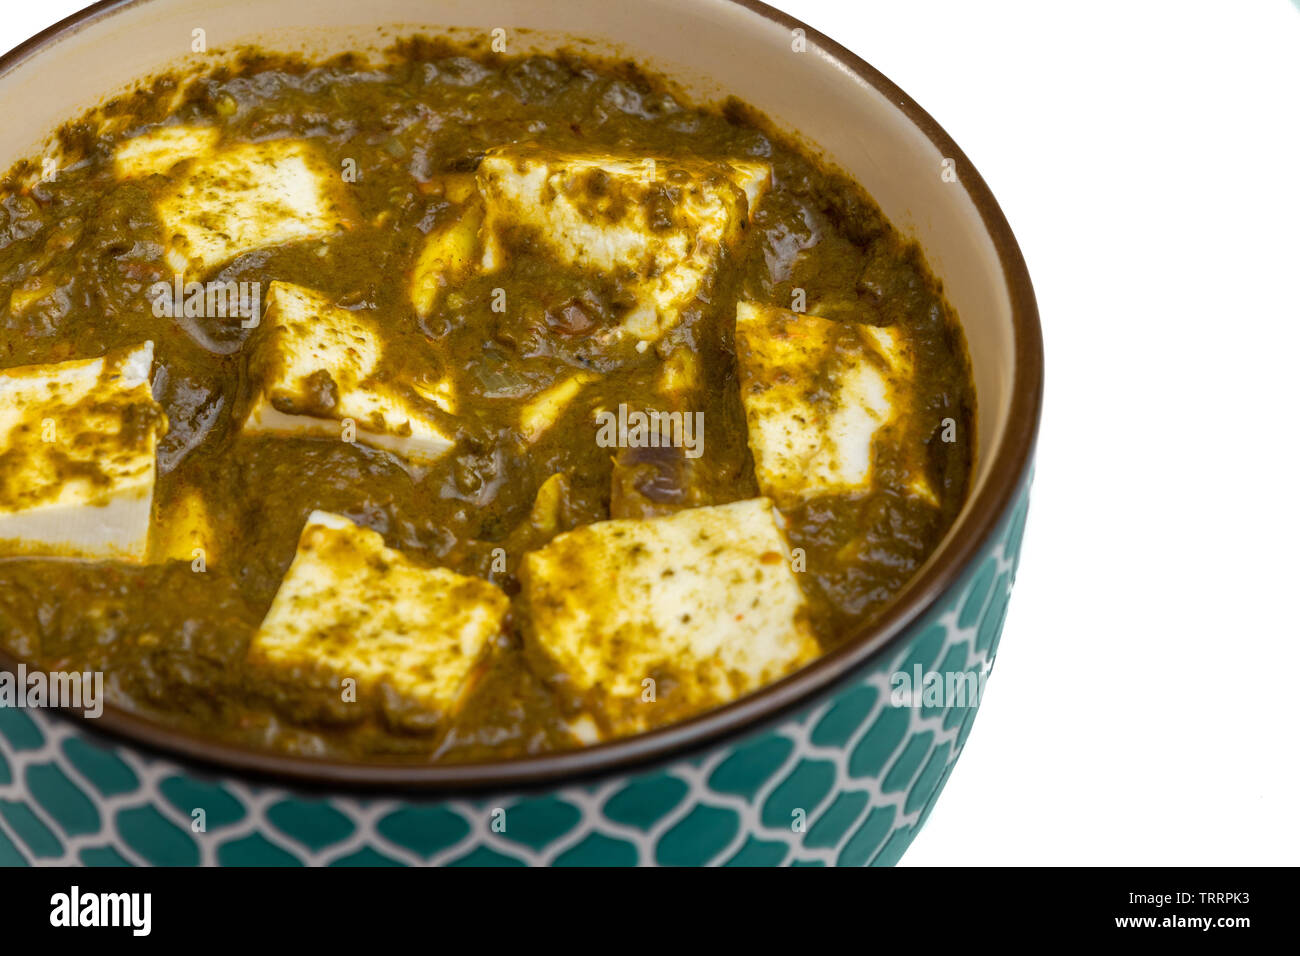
(828, 766)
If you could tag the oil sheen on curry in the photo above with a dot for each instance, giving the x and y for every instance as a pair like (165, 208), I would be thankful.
(448, 406)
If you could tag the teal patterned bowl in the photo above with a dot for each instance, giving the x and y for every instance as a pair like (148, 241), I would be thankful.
(832, 765)
(845, 780)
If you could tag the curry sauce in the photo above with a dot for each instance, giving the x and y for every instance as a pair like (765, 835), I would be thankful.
(517, 261)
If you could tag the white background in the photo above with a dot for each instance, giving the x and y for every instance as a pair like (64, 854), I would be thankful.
(1147, 155)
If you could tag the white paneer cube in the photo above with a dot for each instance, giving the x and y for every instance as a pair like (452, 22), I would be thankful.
(349, 607)
(661, 223)
(77, 456)
(316, 368)
(816, 392)
(230, 200)
(649, 620)
(159, 150)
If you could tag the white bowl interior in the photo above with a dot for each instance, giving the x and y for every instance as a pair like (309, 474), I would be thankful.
(711, 47)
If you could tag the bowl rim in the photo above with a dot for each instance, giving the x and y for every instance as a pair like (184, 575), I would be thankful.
(947, 565)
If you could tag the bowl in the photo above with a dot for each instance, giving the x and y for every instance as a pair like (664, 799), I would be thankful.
(835, 764)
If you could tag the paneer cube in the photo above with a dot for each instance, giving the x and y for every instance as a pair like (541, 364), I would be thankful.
(411, 638)
(659, 223)
(159, 150)
(230, 200)
(816, 392)
(650, 620)
(316, 368)
(889, 344)
(77, 456)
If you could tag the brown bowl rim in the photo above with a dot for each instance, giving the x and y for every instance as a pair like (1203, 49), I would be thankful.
(944, 570)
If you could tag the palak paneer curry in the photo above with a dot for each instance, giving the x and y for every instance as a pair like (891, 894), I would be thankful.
(455, 405)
